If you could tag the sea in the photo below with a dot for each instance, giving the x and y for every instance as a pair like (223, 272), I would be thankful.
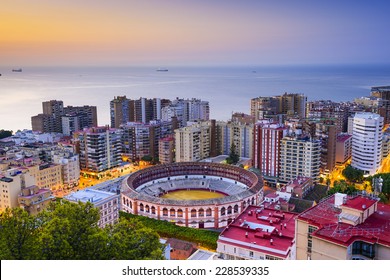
(227, 88)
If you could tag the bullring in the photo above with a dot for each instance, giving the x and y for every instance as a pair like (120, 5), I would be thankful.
(142, 191)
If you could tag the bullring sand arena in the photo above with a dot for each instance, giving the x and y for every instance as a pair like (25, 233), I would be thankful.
(192, 194)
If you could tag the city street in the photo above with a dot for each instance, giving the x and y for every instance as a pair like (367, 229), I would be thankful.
(86, 182)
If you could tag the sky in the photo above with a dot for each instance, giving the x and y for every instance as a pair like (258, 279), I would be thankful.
(180, 32)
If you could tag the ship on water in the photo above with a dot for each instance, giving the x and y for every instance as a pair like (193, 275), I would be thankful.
(162, 69)
(17, 70)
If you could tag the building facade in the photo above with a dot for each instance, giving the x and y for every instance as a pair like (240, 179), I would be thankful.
(238, 133)
(52, 118)
(166, 149)
(300, 156)
(186, 110)
(47, 175)
(70, 167)
(33, 199)
(196, 142)
(99, 148)
(367, 142)
(267, 138)
(343, 148)
(141, 139)
(11, 184)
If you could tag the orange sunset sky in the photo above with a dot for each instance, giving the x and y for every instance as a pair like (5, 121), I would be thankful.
(122, 32)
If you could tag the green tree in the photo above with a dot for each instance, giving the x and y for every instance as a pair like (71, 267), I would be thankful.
(353, 174)
(342, 187)
(72, 232)
(132, 240)
(18, 235)
(147, 158)
(233, 156)
(5, 133)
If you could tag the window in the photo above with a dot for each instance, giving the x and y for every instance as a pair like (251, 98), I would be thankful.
(180, 213)
(251, 254)
(364, 249)
(268, 257)
(312, 229)
(309, 245)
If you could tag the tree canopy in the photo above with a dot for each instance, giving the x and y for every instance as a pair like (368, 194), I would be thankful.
(342, 187)
(5, 133)
(234, 157)
(353, 174)
(70, 231)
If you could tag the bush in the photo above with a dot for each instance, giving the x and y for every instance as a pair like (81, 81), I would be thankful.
(166, 229)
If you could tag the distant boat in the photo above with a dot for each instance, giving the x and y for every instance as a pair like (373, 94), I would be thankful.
(162, 69)
(17, 70)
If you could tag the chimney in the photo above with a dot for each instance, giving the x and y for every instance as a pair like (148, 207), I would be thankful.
(285, 225)
(271, 241)
(246, 234)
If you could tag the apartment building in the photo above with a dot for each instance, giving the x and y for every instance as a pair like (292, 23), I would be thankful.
(166, 149)
(70, 166)
(267, 138)
(367, 142)
(99, 148)
(344, 227)
(12, 182)
(259, 233)
(106, 202)
(195, 142)
(343, 148)
(142, 139)
(238, 133)
(300, 156)
(47, 175)
(33, 199)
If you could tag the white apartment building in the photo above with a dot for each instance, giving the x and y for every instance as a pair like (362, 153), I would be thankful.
(70, 166)
(100, 148)
(186, 110)
(367, 142)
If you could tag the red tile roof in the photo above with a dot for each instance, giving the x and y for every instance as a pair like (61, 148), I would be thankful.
(359, 203)
(375, 229)
(256, 227)
(343, 137)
